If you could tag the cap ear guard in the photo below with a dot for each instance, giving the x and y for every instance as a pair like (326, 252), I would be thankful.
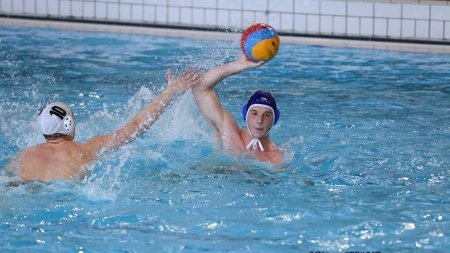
(277, 116)
(244, 114)
(69, 124)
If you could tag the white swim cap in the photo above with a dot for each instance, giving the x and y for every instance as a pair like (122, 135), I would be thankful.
(55, 118)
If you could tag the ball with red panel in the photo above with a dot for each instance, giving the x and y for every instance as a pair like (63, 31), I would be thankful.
(260, 42)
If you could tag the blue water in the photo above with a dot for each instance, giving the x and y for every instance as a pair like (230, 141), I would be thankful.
(366, 135)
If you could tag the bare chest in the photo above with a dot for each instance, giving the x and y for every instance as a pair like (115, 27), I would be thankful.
(267, 156)
(235, 145)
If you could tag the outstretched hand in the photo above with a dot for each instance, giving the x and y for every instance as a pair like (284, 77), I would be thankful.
(185, 81)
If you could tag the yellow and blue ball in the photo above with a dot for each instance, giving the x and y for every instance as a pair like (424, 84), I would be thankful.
(260, 42)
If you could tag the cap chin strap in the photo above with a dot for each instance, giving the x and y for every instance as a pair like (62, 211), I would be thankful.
(254, 142)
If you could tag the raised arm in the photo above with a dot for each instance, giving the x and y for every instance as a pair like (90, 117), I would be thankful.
(206, 99)
(142, 121)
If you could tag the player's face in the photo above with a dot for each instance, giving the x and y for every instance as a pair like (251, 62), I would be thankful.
(259, 121)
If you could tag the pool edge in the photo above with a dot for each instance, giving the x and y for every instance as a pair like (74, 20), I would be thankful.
(218, 35)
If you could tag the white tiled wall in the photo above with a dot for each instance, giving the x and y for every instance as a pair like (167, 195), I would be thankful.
(398, 19)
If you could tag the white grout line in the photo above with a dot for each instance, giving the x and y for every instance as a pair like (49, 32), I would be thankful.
(394, 46)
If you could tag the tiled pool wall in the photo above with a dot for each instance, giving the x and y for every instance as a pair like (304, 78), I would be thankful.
(427, 21)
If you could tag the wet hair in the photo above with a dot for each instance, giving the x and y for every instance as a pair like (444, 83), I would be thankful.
(57, 136)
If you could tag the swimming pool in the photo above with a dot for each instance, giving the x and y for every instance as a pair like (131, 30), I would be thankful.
(366, 132)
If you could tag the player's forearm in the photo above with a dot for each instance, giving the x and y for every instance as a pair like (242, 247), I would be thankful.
(147, 116)
(139, 124)
(214, 76)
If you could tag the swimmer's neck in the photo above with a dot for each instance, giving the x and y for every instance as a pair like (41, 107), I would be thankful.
(57, 141)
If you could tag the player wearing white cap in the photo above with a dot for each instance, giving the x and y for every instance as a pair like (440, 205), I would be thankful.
(62, 158)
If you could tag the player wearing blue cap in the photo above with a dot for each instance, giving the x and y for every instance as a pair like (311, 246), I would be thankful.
(260, 114)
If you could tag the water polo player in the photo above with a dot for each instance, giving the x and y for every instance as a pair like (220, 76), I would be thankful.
(62, 158)
(260, 113)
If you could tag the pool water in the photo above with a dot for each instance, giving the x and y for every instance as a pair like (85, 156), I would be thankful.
(366, 135)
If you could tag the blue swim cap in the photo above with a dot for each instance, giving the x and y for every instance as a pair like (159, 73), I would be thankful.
(262, 98)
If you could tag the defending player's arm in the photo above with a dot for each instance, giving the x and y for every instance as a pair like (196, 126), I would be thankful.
(143, 120)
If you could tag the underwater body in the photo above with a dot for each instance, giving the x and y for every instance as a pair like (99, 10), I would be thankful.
(366, 135)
